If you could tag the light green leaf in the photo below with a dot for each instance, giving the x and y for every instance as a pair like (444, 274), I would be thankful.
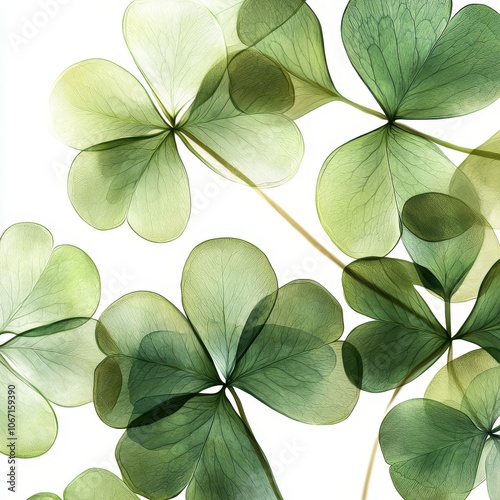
(364, 184)
(492, 468)
(45, 496)
(444, 235)
(450, 383)
(434, 450)
(222, 282)
(97, 101)
(292, 364)
(61, 365)
(144, 181)
(174, 61)
(482, 327)
(41, 285)
(418, 63)
(204, 442)
(35, 421)
(97, 483)
(289, 32)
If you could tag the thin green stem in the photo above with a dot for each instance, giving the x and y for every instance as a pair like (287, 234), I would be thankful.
(278, 208)
(255, 444)
(449, 145)
(362, 108)
(447, 316)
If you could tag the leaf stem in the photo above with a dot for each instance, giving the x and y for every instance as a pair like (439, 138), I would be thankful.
(255, 444)
(278, 208)
(449, 145)
(362, 108)
(496, 429)
(447, 316)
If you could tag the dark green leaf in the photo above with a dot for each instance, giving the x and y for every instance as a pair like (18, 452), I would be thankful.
(434, 450)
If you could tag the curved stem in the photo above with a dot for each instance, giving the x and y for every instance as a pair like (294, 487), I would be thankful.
(255, 444)
(278, 208)
(449, 145)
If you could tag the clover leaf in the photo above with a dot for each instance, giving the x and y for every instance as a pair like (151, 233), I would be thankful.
(47, 296)
(241, 331)
(445, 445)
(92, 484)
(129, 167)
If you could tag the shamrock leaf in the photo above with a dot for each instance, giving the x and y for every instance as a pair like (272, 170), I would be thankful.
(417, 62)
(405, 338)
(277, 344)
(47, 297)
(92, 484)
(438, 447)
(364, 184)
(129, 167)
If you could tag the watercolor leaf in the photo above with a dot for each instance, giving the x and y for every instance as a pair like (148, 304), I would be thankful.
(420, 64)
(364, 184)
(129, 167)
(47, 298)
(405, 338)
(92, 484)
(277, 344)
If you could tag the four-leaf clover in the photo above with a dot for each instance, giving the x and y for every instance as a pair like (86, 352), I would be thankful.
(241, 332)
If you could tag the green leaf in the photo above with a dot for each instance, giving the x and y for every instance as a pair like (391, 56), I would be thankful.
(222, 282)
(204, 444)
(97, 101)
(292, 365)
(420, 64)
(482, 327)
(263, 149)
(60, 365)
(45, 496)
(41, 285)
(174, 61)
(258, 85)
(35, 421)
(379, 355)
(288, 32)
(97, 483)
(406, 338)
(434, 450)
(141, 180)
(147, 341)
(364, 184)
(444, 235)
(492, 468)
(450, 383)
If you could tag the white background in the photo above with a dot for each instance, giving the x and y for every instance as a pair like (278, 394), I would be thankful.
(327, 462)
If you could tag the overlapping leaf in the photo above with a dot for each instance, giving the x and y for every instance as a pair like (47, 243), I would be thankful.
(47, 297)
(130, 167)
(277, 344)
(443, 447)
(90, 485)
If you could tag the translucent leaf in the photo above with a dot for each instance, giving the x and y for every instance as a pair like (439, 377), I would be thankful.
(61, 365)
(97, 483)
(289, 32)
(492, 469)
(41, 285)
(482, 327)
(420, 64)
(174, 61)
(364, 184)
(204, 444)
(434, 450)
(45, 496)
(292, 365)
(222, 282)
(144, 181)
(444, 235)
(264, 149)
(97, 101)
(35, 421)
